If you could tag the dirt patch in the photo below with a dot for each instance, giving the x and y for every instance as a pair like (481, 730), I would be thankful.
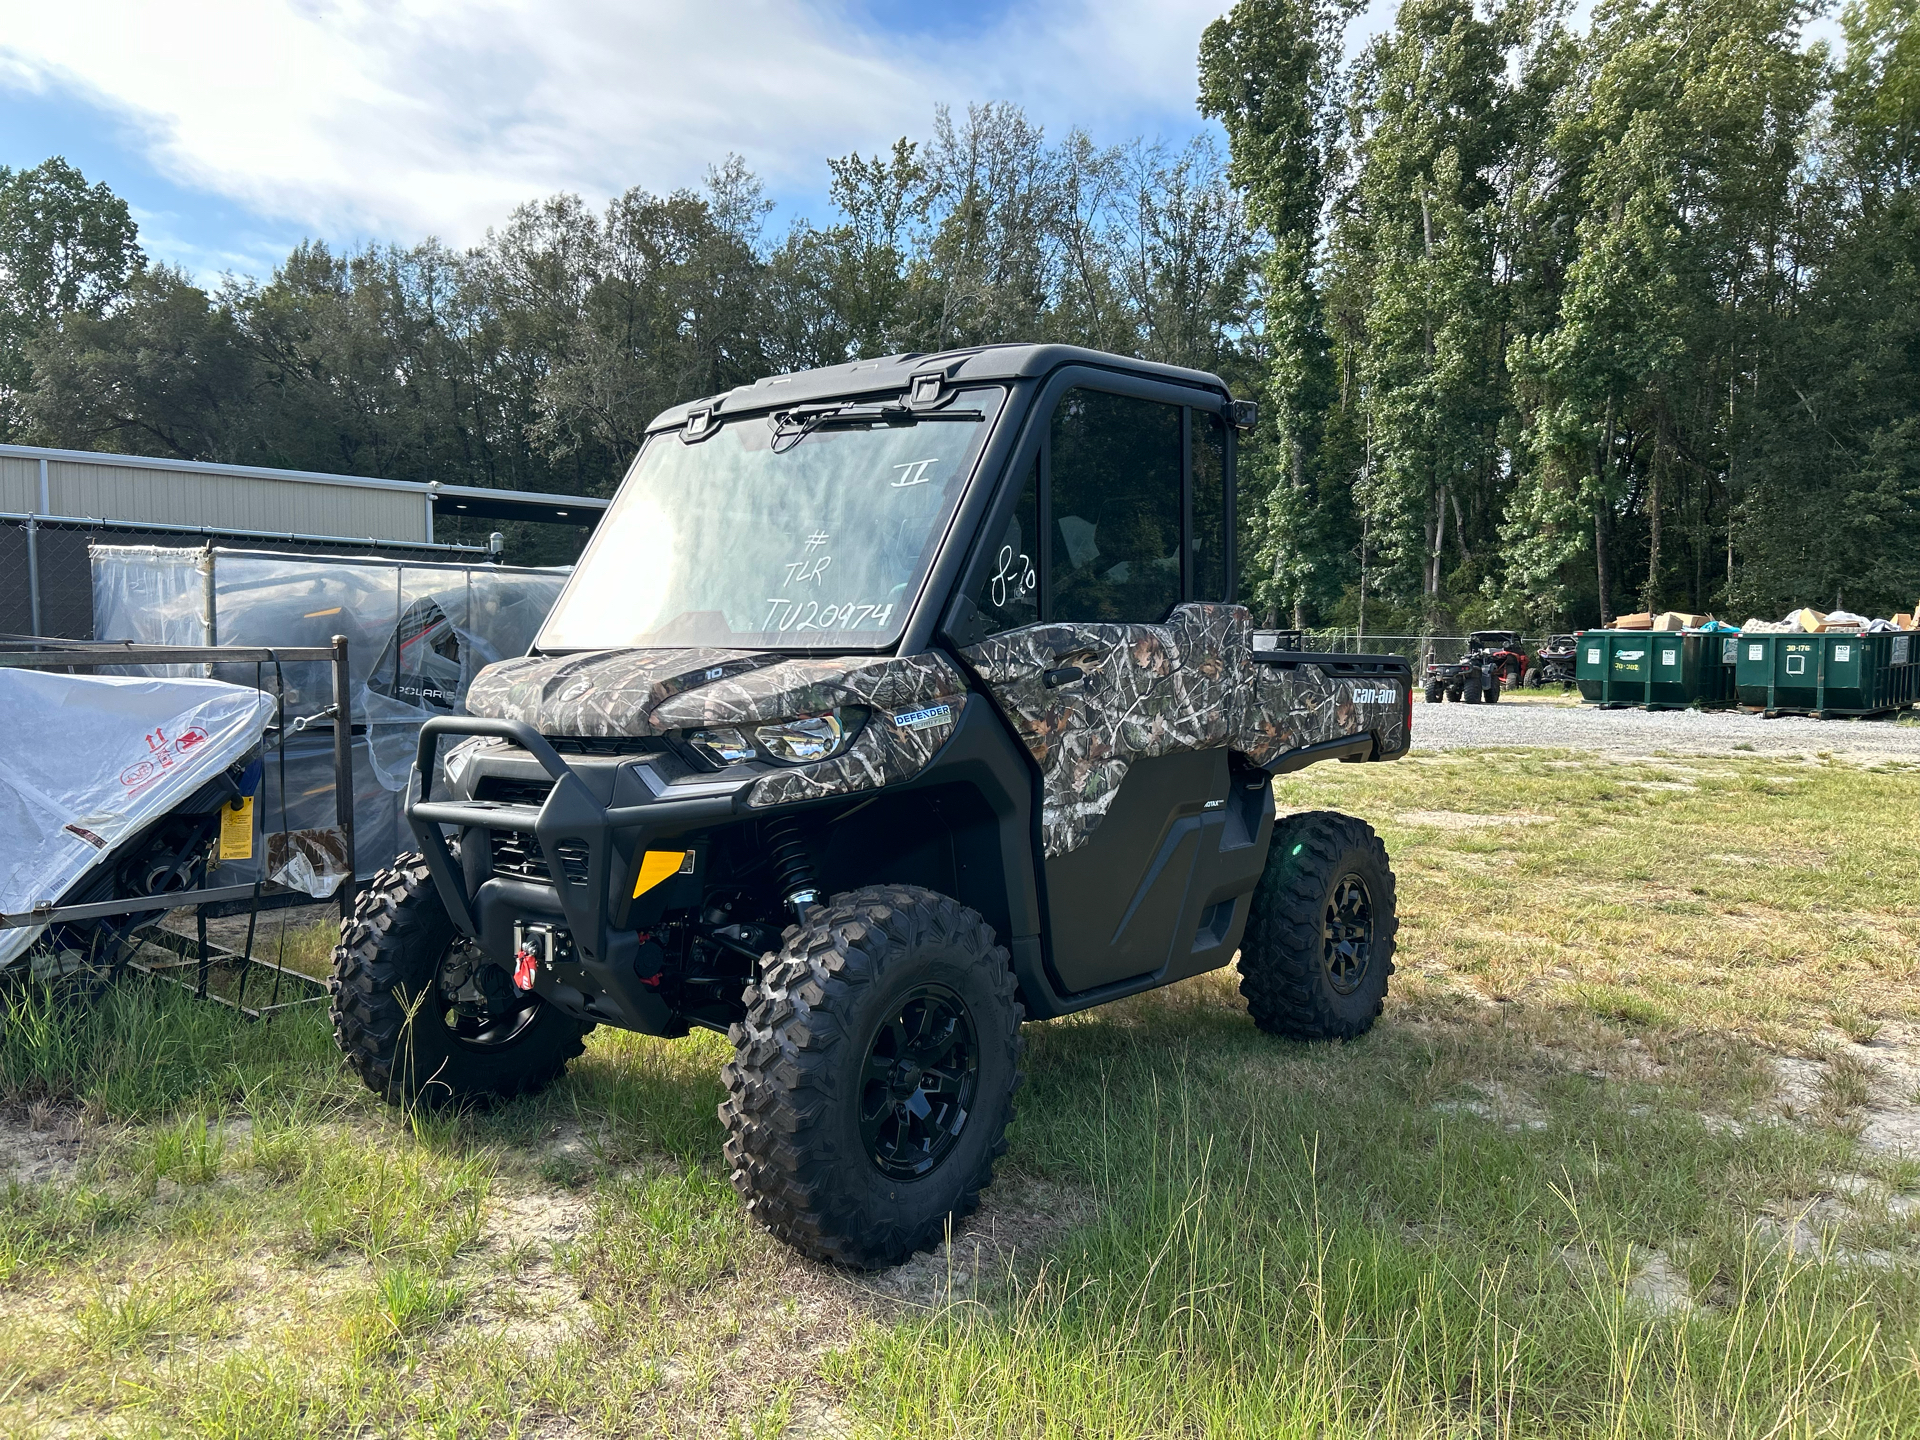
(532, 1305)
(1505, 1105)
(1460, 820)
(40, 1146)
(1874, 1086)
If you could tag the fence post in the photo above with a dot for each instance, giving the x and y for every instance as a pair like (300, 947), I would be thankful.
(33, 571)
(343, 764)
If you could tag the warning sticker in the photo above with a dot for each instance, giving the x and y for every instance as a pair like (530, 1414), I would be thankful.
(236, 830)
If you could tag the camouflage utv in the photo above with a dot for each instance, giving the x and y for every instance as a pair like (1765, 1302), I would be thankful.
(891, 705)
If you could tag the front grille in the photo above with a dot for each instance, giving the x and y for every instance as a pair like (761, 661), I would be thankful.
(515, 852)
(503, 790)
(573, 860)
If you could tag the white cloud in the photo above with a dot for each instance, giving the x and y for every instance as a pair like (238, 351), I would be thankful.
(437, 116)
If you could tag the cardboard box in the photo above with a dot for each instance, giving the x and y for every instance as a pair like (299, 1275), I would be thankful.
(1679, 620)
(1904, 622)
(1808, 620)
(1641, 621)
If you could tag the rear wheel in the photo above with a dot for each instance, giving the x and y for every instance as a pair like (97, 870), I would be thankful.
(872, 1081)
(1470, 688)
(1318, 948)
(423, 1016)
(1436, 692)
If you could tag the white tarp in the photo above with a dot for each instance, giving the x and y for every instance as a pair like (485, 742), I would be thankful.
(91, 760)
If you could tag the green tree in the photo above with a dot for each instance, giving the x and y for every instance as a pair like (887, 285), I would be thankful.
(1269, 72)
(65, 247)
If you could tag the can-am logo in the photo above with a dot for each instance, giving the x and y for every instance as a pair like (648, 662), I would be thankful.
(1381, 696)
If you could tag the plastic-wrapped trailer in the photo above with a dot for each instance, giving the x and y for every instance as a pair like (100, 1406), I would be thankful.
(137, 842)
(419, 630)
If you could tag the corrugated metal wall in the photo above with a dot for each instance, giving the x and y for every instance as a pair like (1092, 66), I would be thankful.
(223, 498)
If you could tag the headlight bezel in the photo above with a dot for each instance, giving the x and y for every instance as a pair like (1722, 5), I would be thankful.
(711, 745)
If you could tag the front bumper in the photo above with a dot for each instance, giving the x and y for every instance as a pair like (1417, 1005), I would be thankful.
(592, 850)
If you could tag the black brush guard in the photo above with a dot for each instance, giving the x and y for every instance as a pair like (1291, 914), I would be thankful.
(606, 977)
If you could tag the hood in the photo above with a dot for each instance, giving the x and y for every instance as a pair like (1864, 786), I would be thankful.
(612, 693)
(606, 693)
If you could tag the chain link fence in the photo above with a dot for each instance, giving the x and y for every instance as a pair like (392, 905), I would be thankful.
(1422, 650)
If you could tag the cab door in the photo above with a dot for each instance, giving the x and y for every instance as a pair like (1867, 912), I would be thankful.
(1112, 654)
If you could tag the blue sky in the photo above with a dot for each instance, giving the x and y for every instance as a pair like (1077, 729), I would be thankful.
(235, 127)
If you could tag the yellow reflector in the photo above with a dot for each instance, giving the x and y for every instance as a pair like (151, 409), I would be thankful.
(658, 865)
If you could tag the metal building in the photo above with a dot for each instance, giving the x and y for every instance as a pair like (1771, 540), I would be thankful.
(53, 502)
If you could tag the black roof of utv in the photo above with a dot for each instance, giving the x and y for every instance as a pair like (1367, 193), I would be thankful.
(893, 374)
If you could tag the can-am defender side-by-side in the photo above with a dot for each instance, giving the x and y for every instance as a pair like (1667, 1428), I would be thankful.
(890, 705)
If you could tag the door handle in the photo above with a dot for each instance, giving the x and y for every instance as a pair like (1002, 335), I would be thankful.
(1065, 675)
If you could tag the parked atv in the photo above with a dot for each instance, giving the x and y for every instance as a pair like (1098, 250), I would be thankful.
(1494, 661)
(891, 705)
(1552, 664)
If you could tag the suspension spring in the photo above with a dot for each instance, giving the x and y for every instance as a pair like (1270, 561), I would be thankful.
(793, 867)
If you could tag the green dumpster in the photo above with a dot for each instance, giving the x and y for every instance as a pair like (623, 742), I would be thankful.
(1827, 674)
(1657, 669)
(1610, 666)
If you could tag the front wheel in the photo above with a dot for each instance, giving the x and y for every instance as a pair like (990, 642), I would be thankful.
(872, 1080)
(1320, 933)
(1531, 680)
(1490, 693)
(423, 1016)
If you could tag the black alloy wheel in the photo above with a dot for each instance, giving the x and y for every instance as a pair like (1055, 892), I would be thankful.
(478, 1003)
(1318, 949)
(423, 1016)
(918, 1083)
(1347, 935)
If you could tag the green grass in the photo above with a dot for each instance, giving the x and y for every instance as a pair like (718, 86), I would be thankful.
(1453, 1227)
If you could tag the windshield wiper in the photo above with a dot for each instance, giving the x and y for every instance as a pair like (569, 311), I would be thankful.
(790, 427)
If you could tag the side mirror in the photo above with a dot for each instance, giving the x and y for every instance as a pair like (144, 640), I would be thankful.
(1242, 414)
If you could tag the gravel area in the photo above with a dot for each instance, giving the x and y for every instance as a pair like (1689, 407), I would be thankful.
(1640, 732)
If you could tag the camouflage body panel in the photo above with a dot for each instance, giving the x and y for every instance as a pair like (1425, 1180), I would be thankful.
(913, 703)
(605, 694)
(1148, 690)
(1188, 684)
(1304, 705)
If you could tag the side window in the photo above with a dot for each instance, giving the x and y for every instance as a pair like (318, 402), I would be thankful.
(1209, 507)
(1010, 595)
(1115, 503)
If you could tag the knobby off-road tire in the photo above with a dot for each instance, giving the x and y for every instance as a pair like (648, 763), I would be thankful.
(1314, 963)
(1531, 679)
(390, 1017)
(827, 1045)
(1435, 694)
(1491, 693)
(1470, 688)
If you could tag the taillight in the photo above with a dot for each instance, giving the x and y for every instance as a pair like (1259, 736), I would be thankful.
(1408, 703)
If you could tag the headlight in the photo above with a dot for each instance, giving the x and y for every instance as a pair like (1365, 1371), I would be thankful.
(725, 746)
(808, 737)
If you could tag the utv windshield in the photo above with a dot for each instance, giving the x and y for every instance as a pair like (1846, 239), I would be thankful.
(813, 530)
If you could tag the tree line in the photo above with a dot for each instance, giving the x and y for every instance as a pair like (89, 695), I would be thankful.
(1549, 322)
